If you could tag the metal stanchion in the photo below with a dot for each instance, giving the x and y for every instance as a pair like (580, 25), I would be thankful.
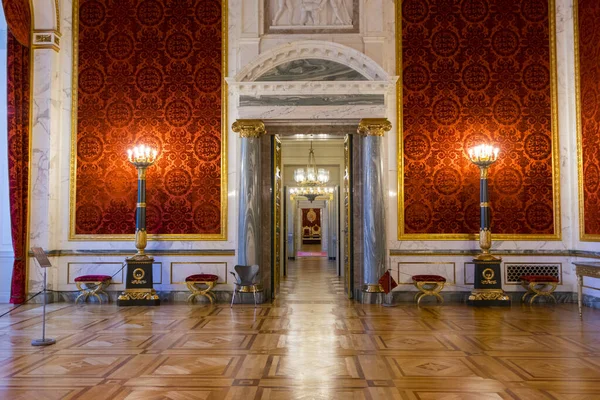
(42, 259)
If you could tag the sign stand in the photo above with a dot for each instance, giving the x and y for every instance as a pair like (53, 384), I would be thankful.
(42, 259)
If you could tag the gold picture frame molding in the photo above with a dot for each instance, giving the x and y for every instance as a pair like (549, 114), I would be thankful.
(557, 235)
(222, 236)
(584, 237)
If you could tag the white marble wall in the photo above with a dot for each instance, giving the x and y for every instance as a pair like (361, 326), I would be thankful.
(247, 42)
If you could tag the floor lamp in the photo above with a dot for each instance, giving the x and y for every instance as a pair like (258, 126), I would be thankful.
(488, 277)
(138, 286)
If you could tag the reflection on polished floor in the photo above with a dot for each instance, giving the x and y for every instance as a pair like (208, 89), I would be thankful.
(311, 343)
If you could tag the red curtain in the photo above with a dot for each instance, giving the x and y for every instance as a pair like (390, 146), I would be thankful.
(18, 73)
(18, 19)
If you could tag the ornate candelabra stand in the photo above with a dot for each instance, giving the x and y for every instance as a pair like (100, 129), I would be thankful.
(488, 279)
(138, 285)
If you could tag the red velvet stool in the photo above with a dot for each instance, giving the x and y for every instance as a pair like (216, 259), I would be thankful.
(539, 285)
(92, 285)
(429, 285)
(201, 279)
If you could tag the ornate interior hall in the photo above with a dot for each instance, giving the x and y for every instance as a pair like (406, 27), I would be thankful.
(407, 190)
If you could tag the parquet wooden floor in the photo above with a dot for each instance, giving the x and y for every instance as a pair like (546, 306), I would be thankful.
(311, 343)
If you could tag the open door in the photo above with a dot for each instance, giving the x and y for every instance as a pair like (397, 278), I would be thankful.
(347, 207)
(276, 217)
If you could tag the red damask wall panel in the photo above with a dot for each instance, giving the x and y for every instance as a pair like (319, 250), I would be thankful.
(149, 72)
(477, 71)
(588, 19)
(311, 217)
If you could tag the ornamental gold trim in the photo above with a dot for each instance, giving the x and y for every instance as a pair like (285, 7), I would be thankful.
(399, 263)
(194, 263)
(580, 177)
(224, 145)
(249, 128)
(130, 295)
(372, 288)
(557, 235)
(374, 126)
(488, 294)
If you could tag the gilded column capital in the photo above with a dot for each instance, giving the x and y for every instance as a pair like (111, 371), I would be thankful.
(249, 128)
(374, 126)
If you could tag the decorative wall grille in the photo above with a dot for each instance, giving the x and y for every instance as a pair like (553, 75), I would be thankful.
(514, 271)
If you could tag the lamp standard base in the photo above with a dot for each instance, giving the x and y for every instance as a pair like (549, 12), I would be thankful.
(138, 285)
(488, 284)
(43, 342)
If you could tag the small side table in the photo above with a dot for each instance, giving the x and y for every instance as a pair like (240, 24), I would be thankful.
(589, 269)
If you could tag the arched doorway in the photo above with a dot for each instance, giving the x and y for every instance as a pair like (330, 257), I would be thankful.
(304, 88)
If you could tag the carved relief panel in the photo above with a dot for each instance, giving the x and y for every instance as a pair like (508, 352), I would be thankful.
(311, 16)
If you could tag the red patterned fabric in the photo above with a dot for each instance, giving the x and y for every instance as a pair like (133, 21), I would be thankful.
(476, 71)
(589, 78)
(149, 73)
(93, 278)
(202, 278)
(314, 225)
(428, 278)
(18, 74)
(18, 19)
(539, 278)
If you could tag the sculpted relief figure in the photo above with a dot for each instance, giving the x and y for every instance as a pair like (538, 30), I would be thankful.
(283, 6)
(310, 10)
(340, 13)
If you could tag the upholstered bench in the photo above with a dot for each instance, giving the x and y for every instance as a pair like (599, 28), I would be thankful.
(428, 285)
(92, 285)
(207, 280)
(539, 285)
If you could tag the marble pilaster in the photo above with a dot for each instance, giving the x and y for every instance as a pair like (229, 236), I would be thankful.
(250, 132)
(45, 142)
(373, 210)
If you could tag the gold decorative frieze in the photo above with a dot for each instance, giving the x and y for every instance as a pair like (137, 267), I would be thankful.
(43, 38)
(46, 39)
(249, 128)
(374, 126)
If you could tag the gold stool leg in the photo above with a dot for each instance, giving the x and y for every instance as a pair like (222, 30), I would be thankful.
(525, 285)
(424, 291)
(551, 290)
(206, 292)
(192, 288)
(419, 292)
(436, 291)
(200, 292)
(82, 294)
(104, 285)
(94, 291)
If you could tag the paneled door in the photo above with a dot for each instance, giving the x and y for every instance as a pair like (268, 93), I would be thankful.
(347, 207)
(276, 217)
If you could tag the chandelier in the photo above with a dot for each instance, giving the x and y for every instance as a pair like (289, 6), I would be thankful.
(313, 176)
(312, 180)
(311, 193)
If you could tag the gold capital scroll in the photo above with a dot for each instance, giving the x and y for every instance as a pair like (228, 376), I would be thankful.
(249, 128)
(374, 126)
